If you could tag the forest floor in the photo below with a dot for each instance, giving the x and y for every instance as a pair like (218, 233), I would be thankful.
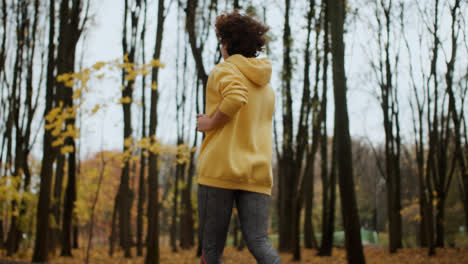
(377, 255)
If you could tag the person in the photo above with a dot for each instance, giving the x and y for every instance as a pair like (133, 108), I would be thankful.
(234, 164)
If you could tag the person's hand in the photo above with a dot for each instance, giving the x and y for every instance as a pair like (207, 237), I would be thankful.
(204, 123)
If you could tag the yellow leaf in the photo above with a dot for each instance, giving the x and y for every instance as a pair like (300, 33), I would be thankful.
(125, 100)
(128, 142)
(57, 142)
(66, 149)
(154, 86)
(98, 65)
(95, 109)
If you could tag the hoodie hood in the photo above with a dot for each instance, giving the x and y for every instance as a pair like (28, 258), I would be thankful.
(256, 70)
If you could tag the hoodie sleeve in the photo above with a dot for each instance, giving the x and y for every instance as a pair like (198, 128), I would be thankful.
(232, 90)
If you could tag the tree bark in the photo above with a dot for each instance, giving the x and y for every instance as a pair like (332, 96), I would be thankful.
(179, 174)
(56, 231)
(187, 221)
(309, 237)
(197, 50)
(75, 233)
(389, 105)
(113, 234)
(69, 34)
(328, 179)
(132, 9)
(152, 239)
(353, 243)
(453, 109)
(187, 232)
(26, 44)
(144, 153)
(328, 226)
(287, 173)
(42, 224)
(14, 101)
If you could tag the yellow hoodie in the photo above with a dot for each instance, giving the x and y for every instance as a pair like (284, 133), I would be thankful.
(238, 155)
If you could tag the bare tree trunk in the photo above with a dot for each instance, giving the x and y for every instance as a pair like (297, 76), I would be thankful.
(452, 107)
(75, 244)
(113, 235)
(187, 224)
(429, 211)
(236, 4)
(179, 174)
(434, 134)
(418, 129)
(331, 213)
(328, 179)
(287, 174)
(187, 232)
(388, 101)
(296, 227)
(302, 183)
(197, 50)
(26, 44)
(42, 224)
(132, 10)
(14, 101)
(144, 153)
(328, 226)
(180, 98)
(309, 237)
(419, 149)
(152, 239)
(353, 243)
(56, 232)
(69, 34)
(3, 46)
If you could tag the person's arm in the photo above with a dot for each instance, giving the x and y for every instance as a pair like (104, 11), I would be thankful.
(206, 123)
(234, 95)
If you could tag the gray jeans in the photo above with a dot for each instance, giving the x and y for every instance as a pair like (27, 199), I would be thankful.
(214, 214)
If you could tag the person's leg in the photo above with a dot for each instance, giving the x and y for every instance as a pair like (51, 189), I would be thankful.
(253, 211)
(214, 214)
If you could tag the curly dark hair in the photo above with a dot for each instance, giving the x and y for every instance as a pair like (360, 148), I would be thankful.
(242, 33)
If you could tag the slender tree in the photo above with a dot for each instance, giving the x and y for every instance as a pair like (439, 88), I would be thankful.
(304, 181)
(433, 114)
(130, 35)
(3, 108)
(180, 99)
(196, 42)
(23, 102)
(385, 72)
(309, 236)
(287, 175)
(152, 239)
(417, 106)
(187, 222)
(42, 223)
(353, 242)
(453, 112)
(328, 177)
(144, 153)
(72, 21)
